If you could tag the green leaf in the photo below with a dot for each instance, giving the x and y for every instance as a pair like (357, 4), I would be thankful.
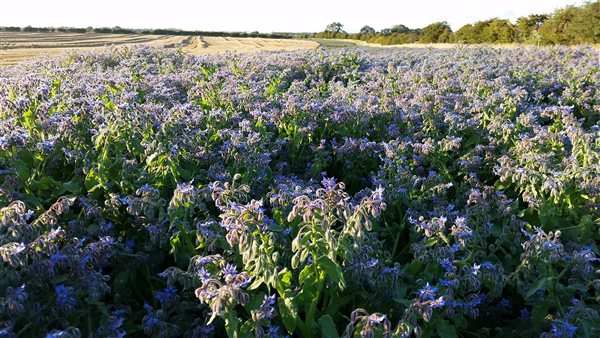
(175, 243)
(548, 216)
(47, 183)
(185, 174)
(91, 180)
(328, 329)
(257, 282)
(72, 186)
(337, 302)
(256, 300)
(121, 279)
(431, 242)
(276, 227)
(446, 330)
(279, 216)
(231, 323)
(538, 315)
(309, 290)
(284, 280)
(29, 118)
(246, 330)
(541, 283)
(306, 271)
(500, 185)
(22, 169)
(59, 278)
(101, 306)
(587, 227)
(578, 287)
(288, 311)
(332, 270)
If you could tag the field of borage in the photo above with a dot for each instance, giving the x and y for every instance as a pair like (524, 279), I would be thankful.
(450, 193)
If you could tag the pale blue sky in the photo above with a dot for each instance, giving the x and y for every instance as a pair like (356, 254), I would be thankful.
(265, 15)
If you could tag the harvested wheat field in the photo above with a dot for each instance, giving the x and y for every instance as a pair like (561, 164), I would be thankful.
(210, 44)
(15, 47)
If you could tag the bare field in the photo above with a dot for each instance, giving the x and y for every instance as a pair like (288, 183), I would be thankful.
(15, 47)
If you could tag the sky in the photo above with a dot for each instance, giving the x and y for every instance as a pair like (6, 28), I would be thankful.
(266, 16)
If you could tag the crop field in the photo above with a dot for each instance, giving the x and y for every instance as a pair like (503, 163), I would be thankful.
(145, 191)
(15, 47)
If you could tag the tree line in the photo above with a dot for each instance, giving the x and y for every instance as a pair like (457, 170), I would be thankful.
(566, 26)
(160, 31)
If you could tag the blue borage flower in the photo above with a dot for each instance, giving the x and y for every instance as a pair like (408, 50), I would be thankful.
(474, 301)
(57, 258)
(16, 299)
(150, 320)
(167, 294)
(266, 311)
(6, 329)
(475, 269)
(329, 183)
(70, 332)
(561, 328)
(446, 264)
(229, 271)
(428, 292)
(204, 275)
(372, 263)
(64, 297)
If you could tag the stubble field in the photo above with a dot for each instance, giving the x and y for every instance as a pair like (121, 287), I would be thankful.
(15, 47)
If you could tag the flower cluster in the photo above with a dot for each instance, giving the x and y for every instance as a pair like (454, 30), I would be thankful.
(441, 192)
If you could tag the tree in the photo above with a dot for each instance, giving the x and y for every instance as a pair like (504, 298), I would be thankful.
(466, 34)
(367, 30)
(400, 29)
(436, 32)
(585, 26)
(11, 29)
(386, 31)
(556, 29)
(498, 31)
(334, 27)
(526, 26)
(102, 30)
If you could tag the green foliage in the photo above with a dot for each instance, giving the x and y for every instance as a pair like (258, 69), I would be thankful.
(526, 28)
(556, 29)
(573, 25)
(488, 31)
(567, 26)
(400, 29)
(435, 33)
(334, 27)
(367, 30)
(499, 31)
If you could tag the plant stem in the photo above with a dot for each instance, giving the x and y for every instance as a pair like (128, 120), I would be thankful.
(312, 310)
